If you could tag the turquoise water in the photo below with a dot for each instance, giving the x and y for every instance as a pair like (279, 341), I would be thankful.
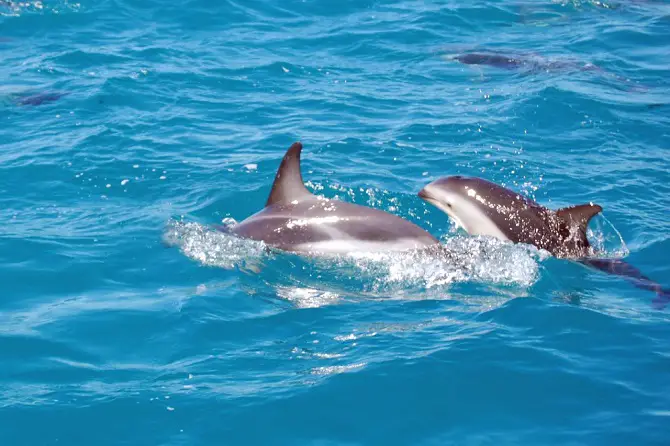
(126, 319)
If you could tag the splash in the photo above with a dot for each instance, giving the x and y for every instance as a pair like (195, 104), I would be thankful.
(605, 239)
(312, 281)
(215, 248)
(15, 8)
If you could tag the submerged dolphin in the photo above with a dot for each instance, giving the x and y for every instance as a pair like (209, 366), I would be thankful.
(536, 64)
(296, 220)
(39, 98)
(485, 208)
(518, 61)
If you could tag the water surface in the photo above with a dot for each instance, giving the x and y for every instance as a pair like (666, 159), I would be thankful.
(125, 319)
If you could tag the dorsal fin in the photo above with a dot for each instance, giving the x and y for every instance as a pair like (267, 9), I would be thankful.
(288, 185)
(579, 215)
(572, 224)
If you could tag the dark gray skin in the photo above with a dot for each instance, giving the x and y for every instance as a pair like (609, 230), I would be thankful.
(494, 60)
(296, 220)
(486, 208)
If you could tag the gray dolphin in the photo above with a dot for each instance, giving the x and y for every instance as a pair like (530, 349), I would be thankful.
(485, 208)
(511, 62)
(534, 64)
(296, 220)
(40, 98)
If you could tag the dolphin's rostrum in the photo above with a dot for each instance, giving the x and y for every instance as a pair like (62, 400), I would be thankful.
(296, 220)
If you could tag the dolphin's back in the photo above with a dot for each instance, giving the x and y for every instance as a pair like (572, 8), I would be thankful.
(332, 226)
(519, 218)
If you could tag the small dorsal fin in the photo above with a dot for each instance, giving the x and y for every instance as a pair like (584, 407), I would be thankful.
(579, 215)
(288, 185)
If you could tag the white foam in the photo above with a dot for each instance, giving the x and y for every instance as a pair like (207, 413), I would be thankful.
(306, 297)
(316, 281)
(213, 248)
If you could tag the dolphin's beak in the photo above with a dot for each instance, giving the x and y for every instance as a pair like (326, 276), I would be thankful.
(424, 194)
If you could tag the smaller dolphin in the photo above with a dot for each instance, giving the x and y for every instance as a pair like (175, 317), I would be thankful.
(298, 221)
(485, 208)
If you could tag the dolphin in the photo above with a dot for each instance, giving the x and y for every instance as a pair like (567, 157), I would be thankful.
(39, 98)
(512, 62)
(535, 64)
(298, 221)
(481, 207)
(485, 208)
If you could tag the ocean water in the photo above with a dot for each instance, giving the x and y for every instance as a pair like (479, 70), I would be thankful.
(130, 128)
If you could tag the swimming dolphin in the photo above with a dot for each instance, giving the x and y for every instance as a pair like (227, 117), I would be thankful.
(535, 64)
(511, 62)
(485, 208)
(481, 207)
(39, 98)
(296, 220)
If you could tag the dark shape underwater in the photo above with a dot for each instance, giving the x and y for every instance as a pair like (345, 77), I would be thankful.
(39, 98)
(630, 273)
(536, 64)
(510, 62)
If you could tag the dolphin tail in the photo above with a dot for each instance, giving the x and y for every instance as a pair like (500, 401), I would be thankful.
(662, 299)
(633, 275)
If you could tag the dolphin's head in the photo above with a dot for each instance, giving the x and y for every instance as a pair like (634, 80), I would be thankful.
(468, 201)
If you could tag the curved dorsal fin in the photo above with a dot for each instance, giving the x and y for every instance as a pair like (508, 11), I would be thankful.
(288, 185)
(579, 215)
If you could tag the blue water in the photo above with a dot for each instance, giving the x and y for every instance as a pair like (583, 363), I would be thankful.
(125, 319)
